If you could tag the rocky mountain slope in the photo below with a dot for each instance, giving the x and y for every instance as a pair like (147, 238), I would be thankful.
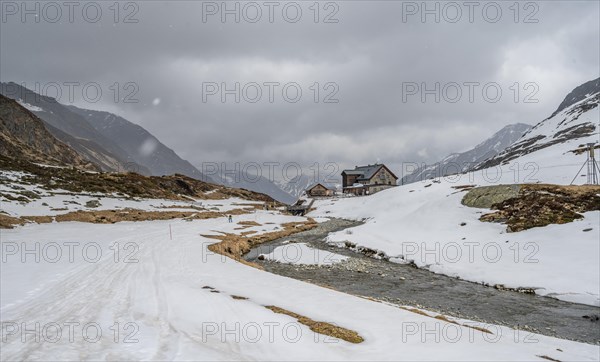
(139, 144)
(23, 136)
(461, 162)
(73, 130)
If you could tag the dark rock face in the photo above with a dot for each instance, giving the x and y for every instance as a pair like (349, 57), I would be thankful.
(73, 130)
(486, 196)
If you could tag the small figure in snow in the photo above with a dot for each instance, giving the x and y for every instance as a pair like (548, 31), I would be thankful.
(230, 218)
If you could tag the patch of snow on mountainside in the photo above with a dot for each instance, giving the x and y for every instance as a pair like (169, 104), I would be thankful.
(30, 107)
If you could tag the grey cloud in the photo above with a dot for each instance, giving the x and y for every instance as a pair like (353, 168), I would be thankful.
(369, 54)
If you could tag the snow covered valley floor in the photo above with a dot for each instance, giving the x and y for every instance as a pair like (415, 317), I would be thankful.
(151, 290)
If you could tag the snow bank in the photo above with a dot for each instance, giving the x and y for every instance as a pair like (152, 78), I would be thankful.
(302, 254)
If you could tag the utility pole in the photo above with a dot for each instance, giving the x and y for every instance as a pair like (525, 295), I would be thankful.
(593, 170)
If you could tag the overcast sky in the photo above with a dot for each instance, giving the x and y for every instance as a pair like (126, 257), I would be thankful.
(373, 57)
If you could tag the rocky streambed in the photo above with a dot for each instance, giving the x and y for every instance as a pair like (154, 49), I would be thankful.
(365, 274)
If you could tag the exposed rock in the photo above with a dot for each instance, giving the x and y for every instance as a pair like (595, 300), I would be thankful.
(486, 196)
(93, 204)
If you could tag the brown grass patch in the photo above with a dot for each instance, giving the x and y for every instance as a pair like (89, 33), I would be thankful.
(249, 223)
(235, 246)
(114, 216)
(9, 222)
(538, 205)
(194, 207)
(237, 297)
(324, 328)
(246, 225)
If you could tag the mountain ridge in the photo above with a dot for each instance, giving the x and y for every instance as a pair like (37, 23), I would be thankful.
(143, 147)
(463, 161)
(563, 125)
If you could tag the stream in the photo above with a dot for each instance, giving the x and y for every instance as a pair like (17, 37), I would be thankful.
(406, 285)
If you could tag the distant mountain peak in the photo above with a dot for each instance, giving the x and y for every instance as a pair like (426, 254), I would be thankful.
(578, 94)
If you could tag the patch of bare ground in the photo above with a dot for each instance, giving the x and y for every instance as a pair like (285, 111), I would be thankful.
(114, 216)
(250, 232)
(324, 328)
(9, 222)
(235, 246)
(445, 319)
(549, 358)
(538, 205)
(246, 225)
(249, 223)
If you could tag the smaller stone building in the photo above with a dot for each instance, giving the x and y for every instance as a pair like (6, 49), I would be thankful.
(319, 190)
